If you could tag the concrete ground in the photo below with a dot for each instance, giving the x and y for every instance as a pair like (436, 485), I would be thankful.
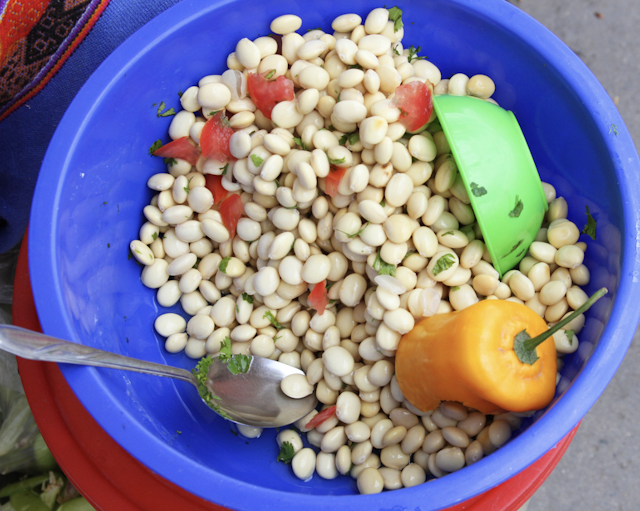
(600, 469)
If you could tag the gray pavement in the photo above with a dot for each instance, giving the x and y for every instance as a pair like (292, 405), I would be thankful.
(600, 469)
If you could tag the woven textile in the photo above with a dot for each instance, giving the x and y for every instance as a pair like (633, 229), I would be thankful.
(48, 49)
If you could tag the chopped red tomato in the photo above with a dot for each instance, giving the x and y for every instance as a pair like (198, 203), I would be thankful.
(416, 102)
(214, 138)
(231, 210)
(267, 93)
(321, 417)
(180, 148)
(318, 297)
(333, 179)
(214, 184)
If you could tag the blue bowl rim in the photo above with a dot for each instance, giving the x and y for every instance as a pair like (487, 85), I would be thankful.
(506, 462)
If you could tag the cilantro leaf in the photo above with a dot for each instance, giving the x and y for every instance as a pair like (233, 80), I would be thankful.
(170, 161)
(395, 15)
(337, 162)
(413, 53)
(270, 74)
(154, 235)
(224, 169)
(477, 190)
(211, 114)
(354, 66)
(155, 146)
(300, 143)
(448, 233)
(180, 93)
(188, 187)
(383, 203)
(286, 452)
(526, 356)
(247, 298)
(257, 161)
(352, 138)
(200, 372)
(515, 212)
(239, 364)
(569, 334)
(395, 50)
(590, 227)
(443, 264)
(513, 249)
(223, 264)
(160, 112)
(613, 129)
(355, 233)
(455, 288)
(382, 267)
(225, 350)
(273, 320)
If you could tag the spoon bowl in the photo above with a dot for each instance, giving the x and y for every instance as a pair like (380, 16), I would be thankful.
(498, 172)
(252, 398)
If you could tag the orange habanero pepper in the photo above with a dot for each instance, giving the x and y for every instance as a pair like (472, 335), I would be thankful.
(480, 357)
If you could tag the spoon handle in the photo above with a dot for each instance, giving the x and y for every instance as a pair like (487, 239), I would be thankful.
(36, 346)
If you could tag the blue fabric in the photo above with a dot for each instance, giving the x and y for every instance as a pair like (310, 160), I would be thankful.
(25, 134)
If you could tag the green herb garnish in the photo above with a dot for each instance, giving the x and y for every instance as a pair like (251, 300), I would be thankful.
(515, 212)
(569, 334)
(590, 227)
(443, 264)
(383, 203)
(337, 162)
(211, 114)
(239, 364)
(478, 191)
(180, 93)
(448, 233)
(613, 129)
(223, 264)
(413, 53)
(154, 235)
(200, 372)
(355, 66)
(170, 161)
(270, 74)
(300, 143)
(188, 188)
(257, 161)
(286, 452)
(225, 350)
(155, 146)
(273, 320)
(382, 267)
(352, 138)
(455, 288)
(224, 169)
(395, 15)
(355, 233)
(247, 298)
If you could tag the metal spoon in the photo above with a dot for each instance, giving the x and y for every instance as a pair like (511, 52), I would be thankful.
(253, 398)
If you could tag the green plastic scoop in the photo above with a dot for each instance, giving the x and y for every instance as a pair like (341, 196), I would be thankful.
(497, 169)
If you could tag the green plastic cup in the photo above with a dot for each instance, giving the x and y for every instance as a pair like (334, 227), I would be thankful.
(498, 171)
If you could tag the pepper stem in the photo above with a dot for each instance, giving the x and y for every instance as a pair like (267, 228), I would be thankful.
(531, 344)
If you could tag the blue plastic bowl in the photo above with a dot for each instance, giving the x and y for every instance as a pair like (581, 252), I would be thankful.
(91, 192)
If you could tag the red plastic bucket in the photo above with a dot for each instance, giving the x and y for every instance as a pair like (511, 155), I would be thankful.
(112, 480)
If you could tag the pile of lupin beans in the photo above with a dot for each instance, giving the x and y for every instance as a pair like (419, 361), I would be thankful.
(400, 194)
